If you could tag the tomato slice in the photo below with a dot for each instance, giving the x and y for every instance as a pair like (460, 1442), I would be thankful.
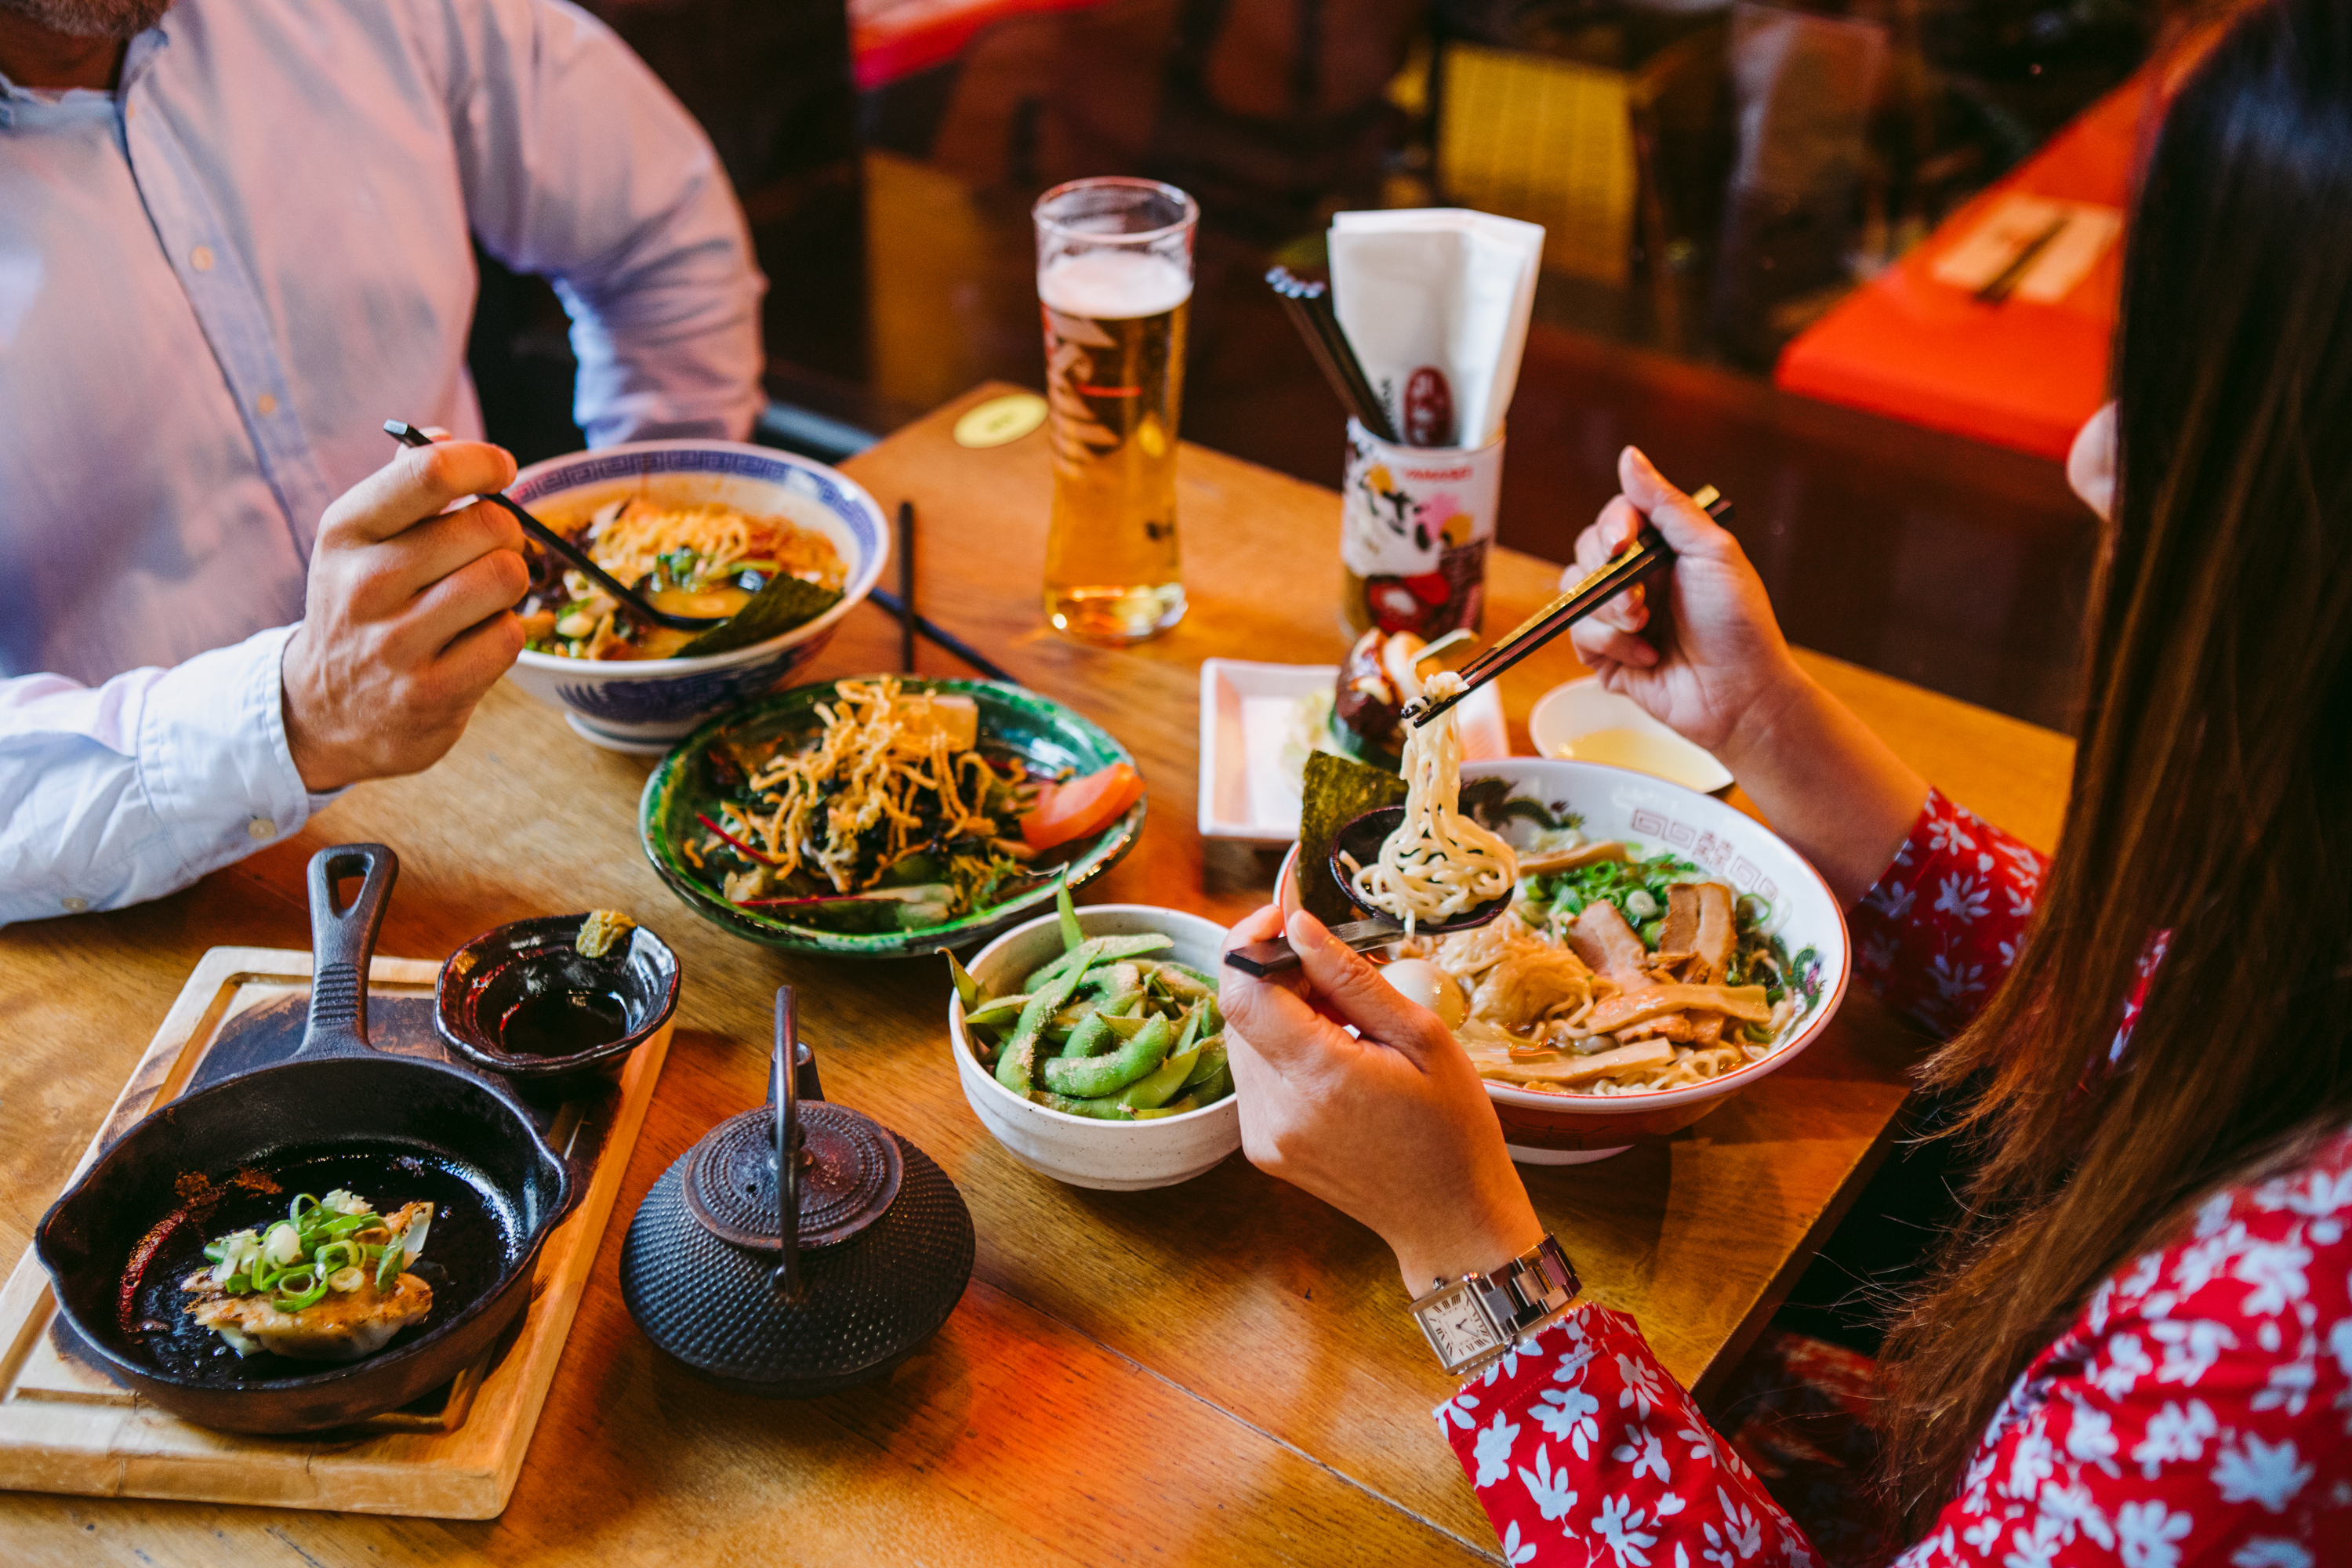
(1082, 807)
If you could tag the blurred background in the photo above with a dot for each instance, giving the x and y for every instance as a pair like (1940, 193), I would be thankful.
(1852, 262)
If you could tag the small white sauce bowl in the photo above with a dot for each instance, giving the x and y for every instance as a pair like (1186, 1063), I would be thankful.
(1566, 714)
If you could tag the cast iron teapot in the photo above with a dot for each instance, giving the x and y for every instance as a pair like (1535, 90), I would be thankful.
(799, 1248)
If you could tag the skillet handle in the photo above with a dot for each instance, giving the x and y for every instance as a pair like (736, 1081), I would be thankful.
(341, 943)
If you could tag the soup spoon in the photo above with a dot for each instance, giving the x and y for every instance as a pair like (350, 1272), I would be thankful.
(629, 598)
(1360, 841)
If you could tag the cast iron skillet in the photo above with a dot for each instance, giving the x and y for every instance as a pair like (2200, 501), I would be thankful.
(392, 1128)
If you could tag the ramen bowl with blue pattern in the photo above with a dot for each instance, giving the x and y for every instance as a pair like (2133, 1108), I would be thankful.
(648, 705)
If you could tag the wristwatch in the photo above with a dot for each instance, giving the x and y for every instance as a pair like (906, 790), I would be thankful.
(1476, 1317)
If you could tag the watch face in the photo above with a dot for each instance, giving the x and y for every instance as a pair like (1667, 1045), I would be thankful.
(1456, 1328)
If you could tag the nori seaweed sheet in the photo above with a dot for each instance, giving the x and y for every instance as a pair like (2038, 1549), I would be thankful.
(1337, 791)
(785, 603)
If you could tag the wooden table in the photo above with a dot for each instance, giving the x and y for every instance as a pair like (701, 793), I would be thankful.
(1217, 1372)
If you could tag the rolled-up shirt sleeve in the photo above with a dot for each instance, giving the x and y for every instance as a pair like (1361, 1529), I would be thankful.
(579, 165)
(115, 794)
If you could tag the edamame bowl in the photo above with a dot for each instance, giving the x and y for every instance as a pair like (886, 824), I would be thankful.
(1115, 1152)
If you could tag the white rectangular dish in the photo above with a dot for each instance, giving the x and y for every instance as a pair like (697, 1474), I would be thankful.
(1247, 715)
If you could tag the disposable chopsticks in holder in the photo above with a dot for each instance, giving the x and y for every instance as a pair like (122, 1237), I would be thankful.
(1308, 306)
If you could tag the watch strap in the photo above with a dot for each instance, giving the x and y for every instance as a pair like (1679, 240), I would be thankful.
(1528, 1290)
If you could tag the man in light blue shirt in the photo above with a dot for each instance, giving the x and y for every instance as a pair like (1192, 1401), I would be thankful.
(234, 240)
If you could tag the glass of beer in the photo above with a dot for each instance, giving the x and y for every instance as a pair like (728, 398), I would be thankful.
(1115, 279)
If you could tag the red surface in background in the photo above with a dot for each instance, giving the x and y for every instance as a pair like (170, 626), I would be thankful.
(2019, 373)
(922, 34)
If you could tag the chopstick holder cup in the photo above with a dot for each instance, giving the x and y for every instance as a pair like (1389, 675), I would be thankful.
(1416, 526)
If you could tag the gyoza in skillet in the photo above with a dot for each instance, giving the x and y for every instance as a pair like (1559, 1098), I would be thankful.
(330, 1283)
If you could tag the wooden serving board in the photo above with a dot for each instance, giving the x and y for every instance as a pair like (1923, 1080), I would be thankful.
(65, 1427)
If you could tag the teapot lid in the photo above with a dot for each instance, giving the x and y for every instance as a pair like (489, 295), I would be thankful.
(881, 1255)
(849, 1170)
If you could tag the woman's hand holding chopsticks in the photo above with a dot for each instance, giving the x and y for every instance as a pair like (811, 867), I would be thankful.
(1701, 650)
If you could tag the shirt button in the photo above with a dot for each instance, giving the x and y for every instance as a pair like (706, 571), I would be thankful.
(201, 258)
(261, 826)
(74, 903)
(265, 404)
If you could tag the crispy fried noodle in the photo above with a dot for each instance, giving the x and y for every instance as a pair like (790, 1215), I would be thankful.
(879, 751)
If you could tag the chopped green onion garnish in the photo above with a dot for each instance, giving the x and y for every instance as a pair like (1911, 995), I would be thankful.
(313, 1291)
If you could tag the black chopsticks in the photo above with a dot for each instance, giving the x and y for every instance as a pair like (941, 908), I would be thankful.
(1311, 311)
(907, 586)
(628, 598)
(1647, 555)
(902, 605)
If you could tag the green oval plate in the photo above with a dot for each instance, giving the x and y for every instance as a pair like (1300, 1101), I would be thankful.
(1048, 735)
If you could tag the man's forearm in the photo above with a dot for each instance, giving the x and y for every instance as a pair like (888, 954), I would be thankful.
(117, 793)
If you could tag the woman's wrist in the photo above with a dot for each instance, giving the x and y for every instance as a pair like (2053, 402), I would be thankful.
(1779, 718)
(1476, 1245)
(1826, 783)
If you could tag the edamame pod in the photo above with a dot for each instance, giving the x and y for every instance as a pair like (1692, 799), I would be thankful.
(1097, 948)
(1112, 979)
(1095, 1077)
(1100, 1110)
(1213, 1057)
(1162, 1083)
(1117, 1003)
(996, 1010)
(1016, 1065)
(1185, 985)
(1092, 1038)
(1173, 1108)
(966, 987)
(1214, 1087)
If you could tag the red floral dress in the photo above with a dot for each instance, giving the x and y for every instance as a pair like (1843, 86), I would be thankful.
(2198, 1410)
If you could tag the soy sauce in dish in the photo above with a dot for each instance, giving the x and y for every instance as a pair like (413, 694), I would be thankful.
(562, 1022)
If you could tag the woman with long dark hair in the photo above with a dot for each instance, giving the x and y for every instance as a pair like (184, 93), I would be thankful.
(2137, 1346)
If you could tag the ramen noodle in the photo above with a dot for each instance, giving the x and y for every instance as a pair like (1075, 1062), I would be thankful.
(1438, 864)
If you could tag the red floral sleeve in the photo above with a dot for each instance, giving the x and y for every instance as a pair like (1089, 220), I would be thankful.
(2196, 1414)
(1945, 922)
(1584, 1450)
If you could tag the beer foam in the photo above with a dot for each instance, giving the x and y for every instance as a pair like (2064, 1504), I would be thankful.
(1114, 285)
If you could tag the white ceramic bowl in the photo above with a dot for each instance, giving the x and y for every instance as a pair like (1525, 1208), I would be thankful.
(648, 705)
(1652, 815)
(1118, 1156)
